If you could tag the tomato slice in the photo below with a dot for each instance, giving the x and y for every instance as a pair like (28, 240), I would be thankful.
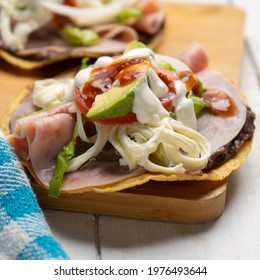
(80, 102)
(85, 104)
(150, 7)
(126, 119)
(167, 104)
(84, 107)
(131, 117)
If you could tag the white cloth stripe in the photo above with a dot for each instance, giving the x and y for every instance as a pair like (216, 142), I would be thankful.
(35, 223)
(19, 241)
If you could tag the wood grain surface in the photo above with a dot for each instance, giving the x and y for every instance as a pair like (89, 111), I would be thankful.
(189, 203)
(182, 202)
(220, 29)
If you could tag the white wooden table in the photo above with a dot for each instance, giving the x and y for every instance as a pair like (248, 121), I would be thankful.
(235, 235)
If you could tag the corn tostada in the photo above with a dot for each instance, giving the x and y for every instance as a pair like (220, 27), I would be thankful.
(125, 120)
(40, 32)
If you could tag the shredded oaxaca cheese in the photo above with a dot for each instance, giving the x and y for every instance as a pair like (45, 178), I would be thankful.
(27, 15)
(81, 130)
(183, 147)
(102, 137)
(49, 92)
(88, 14)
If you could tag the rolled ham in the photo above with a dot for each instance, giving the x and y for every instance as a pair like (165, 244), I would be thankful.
(194, 56)
(38, 138)
(47, 44)
(221, 130)
(152, 22)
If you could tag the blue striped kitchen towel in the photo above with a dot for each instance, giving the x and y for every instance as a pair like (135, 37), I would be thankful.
(24, 232)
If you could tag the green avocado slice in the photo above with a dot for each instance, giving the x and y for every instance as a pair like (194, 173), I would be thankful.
(134, 45)
(116, 102)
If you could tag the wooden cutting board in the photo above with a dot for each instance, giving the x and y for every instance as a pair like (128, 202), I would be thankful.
(220, 30)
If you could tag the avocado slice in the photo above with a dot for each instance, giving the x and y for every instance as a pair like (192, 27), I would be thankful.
(165, 64)
(116, 102)
(134, 45)
(158, 157)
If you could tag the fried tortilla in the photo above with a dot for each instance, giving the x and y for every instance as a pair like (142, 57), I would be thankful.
(46, 44)
(216, 174)
(230, 137)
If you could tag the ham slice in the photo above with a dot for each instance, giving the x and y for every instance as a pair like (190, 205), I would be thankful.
(35, 138)
(152, 22)
(115, 31)
(96, 174)
(38, 138)
(26, 107)
(194, 56)
(113, 40)
(217, 129)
